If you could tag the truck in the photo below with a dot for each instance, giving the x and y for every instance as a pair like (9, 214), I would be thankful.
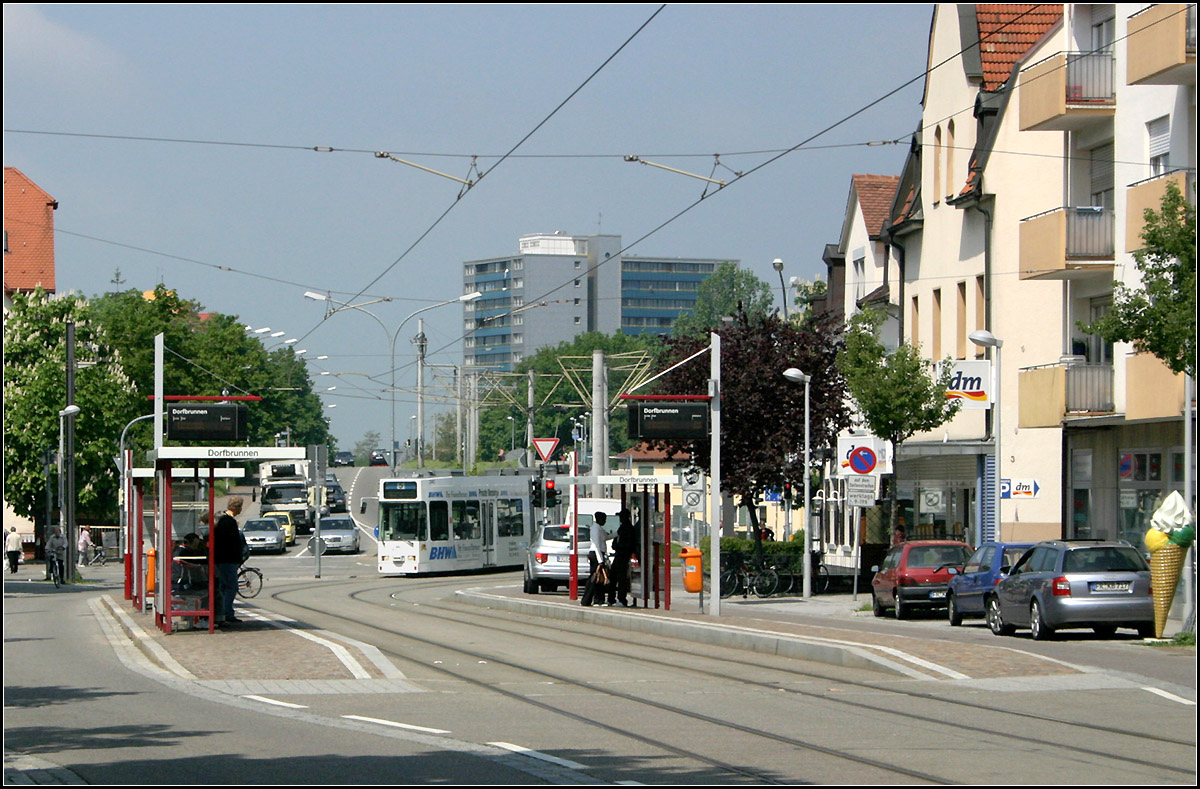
(285, 486)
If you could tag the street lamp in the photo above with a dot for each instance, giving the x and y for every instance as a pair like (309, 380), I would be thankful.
(985, 339)
(778, 266)
(795, 376)
(512, 435)
(66, 503)
(308, 294)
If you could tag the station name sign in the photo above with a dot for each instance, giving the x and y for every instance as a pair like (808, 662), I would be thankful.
(669, 420)
(206, 422)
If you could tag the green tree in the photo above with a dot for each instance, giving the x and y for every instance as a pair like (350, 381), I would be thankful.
(362, 449)
(762, 413)
(729, 290)
(1160, 315)
(35, 360)
(897, 393)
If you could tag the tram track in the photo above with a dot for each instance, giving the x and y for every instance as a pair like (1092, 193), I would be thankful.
(449, 612)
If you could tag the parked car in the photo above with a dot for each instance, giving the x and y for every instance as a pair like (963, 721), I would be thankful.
(286, 523)
(343, 458)
(915, 575)
(265, 535)
(1074, 583)
(378, 457)
(548, 557)
(339, 533)
(978, 576)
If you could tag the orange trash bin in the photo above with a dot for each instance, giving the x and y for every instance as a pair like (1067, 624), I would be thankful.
(693, 569)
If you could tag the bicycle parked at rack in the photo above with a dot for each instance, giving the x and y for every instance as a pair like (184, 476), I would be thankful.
(250, 580)
(739, 576)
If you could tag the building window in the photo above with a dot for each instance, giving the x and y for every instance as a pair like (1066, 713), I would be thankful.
(915, 323)
(936, 336)
(980, 312)
(1159, 132)
(950, 160)
(1101, 175)
(937, 163)
(860, 279)
(577, 283)
(960, 325)
(578, 320)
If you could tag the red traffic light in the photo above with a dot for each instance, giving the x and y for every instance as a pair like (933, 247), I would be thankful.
(549, 484)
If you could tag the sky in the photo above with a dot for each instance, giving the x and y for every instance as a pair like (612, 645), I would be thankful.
(230, 151)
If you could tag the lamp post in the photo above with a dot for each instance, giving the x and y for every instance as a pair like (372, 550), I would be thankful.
(778, 266)
(512, 435)
(985, 339)
(795, 376)
(392, 345)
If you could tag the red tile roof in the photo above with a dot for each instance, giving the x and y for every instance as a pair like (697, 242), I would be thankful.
(875, 196)
(1007, 31)
(28, 234)
(645, 453)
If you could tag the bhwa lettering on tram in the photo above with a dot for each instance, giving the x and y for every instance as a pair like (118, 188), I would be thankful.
(452, 524)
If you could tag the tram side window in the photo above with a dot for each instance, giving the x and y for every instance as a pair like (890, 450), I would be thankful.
(466, 520)
(439, 521)
(403, 521)
(510, 521)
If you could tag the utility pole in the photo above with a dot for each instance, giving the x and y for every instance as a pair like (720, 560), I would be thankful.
(68, 502)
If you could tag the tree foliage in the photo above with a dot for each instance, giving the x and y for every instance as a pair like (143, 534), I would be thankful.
(762, 413)
(35, 363)
(728, 290)
(1160, 315)
(897, 394)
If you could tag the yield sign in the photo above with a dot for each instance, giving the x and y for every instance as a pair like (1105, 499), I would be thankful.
(545, 447)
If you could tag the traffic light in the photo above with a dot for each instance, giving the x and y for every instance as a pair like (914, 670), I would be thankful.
(551, 493)
(535, 491)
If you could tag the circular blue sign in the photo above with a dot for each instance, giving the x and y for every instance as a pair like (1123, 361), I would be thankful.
(862, 460)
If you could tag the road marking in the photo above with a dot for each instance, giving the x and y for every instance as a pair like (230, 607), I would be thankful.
(339, 651)
(508, 746)
(396, 725)
(265, 700)
(1171, 696)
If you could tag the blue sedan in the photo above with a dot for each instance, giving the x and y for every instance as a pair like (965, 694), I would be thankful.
(983, 570)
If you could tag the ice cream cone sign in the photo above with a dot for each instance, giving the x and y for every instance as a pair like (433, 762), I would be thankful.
(1170, 535)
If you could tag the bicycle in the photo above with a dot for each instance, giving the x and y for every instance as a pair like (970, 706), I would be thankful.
(739, 577)
(250, 580)
(56, 569)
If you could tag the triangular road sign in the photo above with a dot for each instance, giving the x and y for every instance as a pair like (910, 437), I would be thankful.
(545, 447)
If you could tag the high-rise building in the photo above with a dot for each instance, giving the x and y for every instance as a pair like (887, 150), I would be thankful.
(558, 286)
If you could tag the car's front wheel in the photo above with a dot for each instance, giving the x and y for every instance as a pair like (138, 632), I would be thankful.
(995, 620)
(952, 610)
(1037, 623)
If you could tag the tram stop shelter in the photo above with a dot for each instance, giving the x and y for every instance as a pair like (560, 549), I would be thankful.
(201, 462)
(648, 498)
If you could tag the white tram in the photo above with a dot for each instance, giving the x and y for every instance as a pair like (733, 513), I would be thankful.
(452, 524)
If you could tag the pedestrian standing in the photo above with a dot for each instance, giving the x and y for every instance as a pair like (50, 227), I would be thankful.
(227, 555)
(12, 546)
(624, 549)
(597, 582)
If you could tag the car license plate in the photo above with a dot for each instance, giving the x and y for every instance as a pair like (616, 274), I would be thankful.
(1110, 586)
(937, 595)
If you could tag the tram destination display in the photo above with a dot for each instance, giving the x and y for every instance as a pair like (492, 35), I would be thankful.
(206, 422)
(668, 420)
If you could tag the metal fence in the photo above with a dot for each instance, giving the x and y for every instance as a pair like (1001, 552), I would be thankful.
(1090, 77)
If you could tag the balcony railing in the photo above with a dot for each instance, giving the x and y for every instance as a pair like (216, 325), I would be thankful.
(1089, 232)
(1090, 389)
(1090, 78)
(1050, 393)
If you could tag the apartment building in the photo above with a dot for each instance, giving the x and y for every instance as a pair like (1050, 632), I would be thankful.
(558, 286)
(1045, 131)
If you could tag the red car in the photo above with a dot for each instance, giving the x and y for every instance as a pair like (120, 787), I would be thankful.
(916, 575)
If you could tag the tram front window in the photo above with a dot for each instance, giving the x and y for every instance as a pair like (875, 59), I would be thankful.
(402, 521)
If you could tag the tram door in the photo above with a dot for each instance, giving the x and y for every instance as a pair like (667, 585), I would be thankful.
(487, 516)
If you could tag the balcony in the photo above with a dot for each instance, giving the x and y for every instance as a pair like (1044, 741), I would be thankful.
(1050, 393)
(1161, 48)
(1152, 391)
(1067, 243)
(1068, 91)
(1148, 194)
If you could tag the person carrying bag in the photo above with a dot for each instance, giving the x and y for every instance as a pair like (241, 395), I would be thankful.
(598, 575)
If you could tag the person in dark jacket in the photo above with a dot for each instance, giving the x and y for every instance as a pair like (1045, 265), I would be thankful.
(624, 547)
(228, 545)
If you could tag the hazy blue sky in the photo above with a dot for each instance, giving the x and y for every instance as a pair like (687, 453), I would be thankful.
(238, 212)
